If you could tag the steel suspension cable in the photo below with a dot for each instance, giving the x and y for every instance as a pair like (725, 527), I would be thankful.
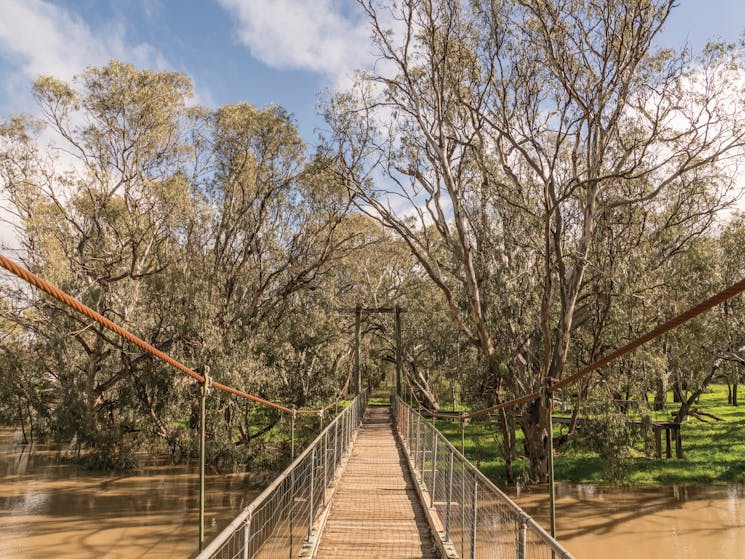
(70, 301)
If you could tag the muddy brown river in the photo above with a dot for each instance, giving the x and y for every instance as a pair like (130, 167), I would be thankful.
(52, 509)
(595, 521)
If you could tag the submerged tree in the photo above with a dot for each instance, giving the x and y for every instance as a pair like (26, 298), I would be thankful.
(103, 222)
(200, 232)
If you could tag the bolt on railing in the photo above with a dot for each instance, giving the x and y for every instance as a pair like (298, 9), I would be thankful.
(279, 522)
(480, 521)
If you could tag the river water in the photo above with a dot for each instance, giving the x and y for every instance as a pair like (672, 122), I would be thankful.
(52, 509)
(681, 522)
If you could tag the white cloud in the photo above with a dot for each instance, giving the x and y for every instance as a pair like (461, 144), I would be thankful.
(37, 38)
(40, 38)
(296, 34)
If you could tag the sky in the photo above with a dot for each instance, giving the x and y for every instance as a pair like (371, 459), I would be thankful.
(286, 52)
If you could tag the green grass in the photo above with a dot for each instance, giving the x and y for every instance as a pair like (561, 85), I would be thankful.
(713, 452)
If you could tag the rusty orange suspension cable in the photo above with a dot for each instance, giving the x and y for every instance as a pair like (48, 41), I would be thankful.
(73, 303)
(693, 312)
(339, 396)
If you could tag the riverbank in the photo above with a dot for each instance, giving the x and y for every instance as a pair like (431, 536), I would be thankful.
(712, 451)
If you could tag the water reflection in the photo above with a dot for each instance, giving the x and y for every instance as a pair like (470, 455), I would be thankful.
(622, 523)
(52, 509)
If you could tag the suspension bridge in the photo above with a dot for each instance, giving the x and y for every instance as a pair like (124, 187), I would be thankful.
(377, 482)
(382, 482)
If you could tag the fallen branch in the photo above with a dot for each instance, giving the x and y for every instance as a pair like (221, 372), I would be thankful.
(699, 414)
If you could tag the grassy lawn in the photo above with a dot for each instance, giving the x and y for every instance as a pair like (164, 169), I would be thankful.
(713, 452)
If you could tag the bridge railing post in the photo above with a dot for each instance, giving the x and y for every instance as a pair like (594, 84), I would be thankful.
(462, 506)
(204, 390)
(246, 537)
(450, 495)
(521, 539)
(336, 444)
(434, 468)
(342, 436)
(290, 508)
(407, 436)
(344, 430)
(424, 450)
(312, 491)
(350, 423)
(474, 515)
(291, 491)
(325, 466)
(418, 431)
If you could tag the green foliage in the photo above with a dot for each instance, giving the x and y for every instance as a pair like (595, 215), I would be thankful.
(209, 235)
(609, 435)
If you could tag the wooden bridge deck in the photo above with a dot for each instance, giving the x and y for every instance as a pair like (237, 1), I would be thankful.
(375, 512)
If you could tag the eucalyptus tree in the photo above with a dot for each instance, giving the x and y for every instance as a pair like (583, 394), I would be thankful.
(100, 216)
(495, 138)
(731, 258)
(270, 232)
(199, 231)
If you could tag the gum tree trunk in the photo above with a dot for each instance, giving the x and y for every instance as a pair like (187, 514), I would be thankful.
(534, 423)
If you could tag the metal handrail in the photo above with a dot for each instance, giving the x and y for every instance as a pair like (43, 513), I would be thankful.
(489, 523)
(280, 520)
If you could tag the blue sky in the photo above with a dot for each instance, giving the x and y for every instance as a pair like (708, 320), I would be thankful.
(262, 51)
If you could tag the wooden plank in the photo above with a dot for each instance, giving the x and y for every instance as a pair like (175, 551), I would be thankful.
(375, 512)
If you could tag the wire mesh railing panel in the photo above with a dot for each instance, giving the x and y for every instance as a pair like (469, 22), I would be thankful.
(232, 549)
(278, 523)
(497, 530)
(534, 549)
(480, 521)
